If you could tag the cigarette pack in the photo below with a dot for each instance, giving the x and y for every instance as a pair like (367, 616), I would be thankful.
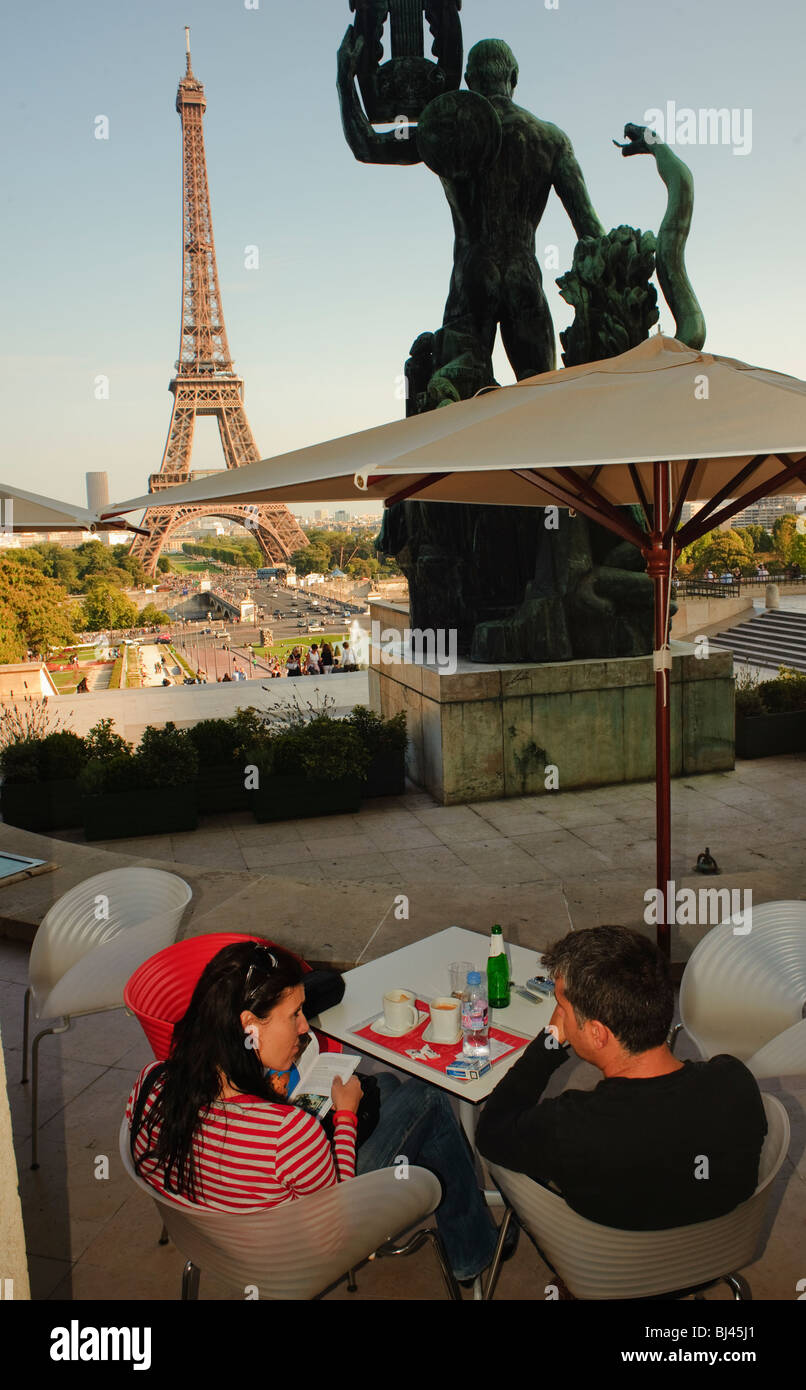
(467, 1068)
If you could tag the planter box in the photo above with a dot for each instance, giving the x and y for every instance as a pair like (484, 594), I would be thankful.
(155, 811)
(42, 806)
(764, 735)
(286, 797)
(386, 775)
(221, 788)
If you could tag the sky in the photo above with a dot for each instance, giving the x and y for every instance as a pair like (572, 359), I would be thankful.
(354, 260)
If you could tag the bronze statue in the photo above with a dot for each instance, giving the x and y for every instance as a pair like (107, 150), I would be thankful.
(567, 589)
(497, 164)
(403, 86)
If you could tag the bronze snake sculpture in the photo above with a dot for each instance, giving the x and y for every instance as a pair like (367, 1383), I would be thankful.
(673, 232)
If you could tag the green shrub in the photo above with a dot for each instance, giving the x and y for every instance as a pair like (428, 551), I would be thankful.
(377, 734)
(59, 757)
(119, 773)
(62, 756)
(331, 749)
(19, 762)
(167, 757)
(749, 702)
(784, 694)
(103, 744)
(323, 750)
(216, 741)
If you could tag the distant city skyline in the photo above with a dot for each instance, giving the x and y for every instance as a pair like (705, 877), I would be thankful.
(352, 261)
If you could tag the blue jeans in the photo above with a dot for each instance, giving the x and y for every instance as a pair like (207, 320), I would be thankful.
(417, 1122)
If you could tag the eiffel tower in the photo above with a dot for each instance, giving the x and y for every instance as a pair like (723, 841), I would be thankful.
(205, 382)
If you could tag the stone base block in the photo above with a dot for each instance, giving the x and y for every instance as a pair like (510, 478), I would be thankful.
(482, 733)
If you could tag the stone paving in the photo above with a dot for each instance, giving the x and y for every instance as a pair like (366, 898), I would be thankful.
(537, 864)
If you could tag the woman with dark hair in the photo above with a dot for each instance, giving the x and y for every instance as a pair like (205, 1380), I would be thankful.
(215, 1128)
(213, 1125)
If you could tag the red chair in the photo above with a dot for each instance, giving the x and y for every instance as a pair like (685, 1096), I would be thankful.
(160, 990)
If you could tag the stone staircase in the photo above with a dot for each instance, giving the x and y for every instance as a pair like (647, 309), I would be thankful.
(775, 638)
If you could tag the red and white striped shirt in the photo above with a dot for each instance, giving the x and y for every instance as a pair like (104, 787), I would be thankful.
(250, 1153)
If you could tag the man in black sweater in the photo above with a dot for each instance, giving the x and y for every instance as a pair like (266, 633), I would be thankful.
(659, 1142)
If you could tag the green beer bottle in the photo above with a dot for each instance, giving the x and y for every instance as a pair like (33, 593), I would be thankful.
(497, 971)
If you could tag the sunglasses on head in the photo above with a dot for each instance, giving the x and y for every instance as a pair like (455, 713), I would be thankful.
(265, 961)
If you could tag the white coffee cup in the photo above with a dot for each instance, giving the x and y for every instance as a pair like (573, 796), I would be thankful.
(445, 1019)
(399, 1010)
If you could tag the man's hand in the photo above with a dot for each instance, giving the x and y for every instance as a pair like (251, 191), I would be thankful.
(352, 46)
(346, 1095)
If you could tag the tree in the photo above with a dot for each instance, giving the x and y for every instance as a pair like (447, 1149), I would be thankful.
(130, 564)
(106, 607)
(34, 612)
(151, 616)
(784, 531)
(163, 564)
(757, 534)
(798, 553)
(722, 550)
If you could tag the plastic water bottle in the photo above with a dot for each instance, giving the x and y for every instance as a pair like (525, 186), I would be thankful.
(475, 1017)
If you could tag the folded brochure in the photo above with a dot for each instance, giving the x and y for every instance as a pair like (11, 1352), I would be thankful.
(317, 1072)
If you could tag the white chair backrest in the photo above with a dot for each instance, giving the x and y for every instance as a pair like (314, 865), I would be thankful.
(739, 992)
(98, 915)
(296, 1250)
(601, 1262)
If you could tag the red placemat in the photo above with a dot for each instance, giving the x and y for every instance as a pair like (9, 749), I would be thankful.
(413, 1041)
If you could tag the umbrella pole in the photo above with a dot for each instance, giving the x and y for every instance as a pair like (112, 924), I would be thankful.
(658, 568)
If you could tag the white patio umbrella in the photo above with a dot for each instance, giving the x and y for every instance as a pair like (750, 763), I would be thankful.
(22, 511)
(659, 425)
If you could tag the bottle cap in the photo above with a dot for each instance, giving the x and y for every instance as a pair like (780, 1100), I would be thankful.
(497, 927)
(474, 977)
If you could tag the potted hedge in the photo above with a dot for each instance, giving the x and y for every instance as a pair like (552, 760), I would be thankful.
(385, 741)
(219, 744)
(151, 791)
(771, 716)
(40, 781)
(311, 769)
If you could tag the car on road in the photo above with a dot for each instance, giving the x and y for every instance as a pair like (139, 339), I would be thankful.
(165, 637)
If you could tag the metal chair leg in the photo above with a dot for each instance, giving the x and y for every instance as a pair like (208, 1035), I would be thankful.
(62, 1028)
(741, 1289)
(26, 1019)
(163, 1240)
(418, 1239)
(190, 1282)
(492, 1277)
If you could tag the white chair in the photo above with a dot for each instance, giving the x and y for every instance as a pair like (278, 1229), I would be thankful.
(300, 1249)
(89, 944)
(601, 1262)
(744, 993)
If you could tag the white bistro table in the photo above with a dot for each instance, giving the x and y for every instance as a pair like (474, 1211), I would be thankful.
(424, 967)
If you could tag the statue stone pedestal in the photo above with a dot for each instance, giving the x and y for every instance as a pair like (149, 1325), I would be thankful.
(490, 732)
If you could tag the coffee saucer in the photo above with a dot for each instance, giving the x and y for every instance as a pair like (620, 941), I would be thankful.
(381, 1027)
(428, 1036)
